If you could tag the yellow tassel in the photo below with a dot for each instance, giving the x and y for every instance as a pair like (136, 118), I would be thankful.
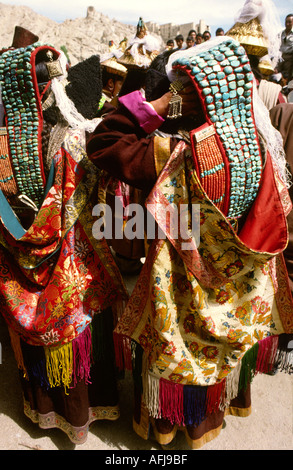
(59, 364)
(15, 343)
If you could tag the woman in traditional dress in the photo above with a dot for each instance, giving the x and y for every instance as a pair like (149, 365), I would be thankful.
(60, 290)
(212, 307)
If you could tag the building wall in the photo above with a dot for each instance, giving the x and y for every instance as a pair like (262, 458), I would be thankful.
(170, 30)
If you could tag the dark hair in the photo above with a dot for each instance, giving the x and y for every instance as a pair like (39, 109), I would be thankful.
(157, 82)
(106, 76)
(219, 30)
(135, 80)
(288, 16)
(178, 37)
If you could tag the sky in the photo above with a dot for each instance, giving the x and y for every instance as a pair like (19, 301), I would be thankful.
(214, 12)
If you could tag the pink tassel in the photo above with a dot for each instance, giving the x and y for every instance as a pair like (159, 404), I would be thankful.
(122, 348)
(267, 350)
(171, 401)
(215, 397)
(81, 348)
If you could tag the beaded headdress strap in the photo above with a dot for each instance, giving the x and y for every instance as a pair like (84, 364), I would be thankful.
(23, 116)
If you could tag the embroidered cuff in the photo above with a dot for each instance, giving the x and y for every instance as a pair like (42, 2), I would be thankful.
(143, 111)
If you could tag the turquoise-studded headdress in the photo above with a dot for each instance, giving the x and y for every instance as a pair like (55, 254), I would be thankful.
(24, 170)
(222, 76)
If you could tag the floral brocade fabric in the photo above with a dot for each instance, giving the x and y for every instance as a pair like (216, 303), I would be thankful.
(197, 312)
(55, 277)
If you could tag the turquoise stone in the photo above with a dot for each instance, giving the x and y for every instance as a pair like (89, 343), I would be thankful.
(240, 91)
(231, 77)
(247, 68)
(244, 60)
(215, 89)
(219, 57)
(209, 99)
(239, 50)
(220, 75)
(206, 91)
(224, 89)
(204, 83)
(228, 70)
(232, 85)
(195, 70)
(232, 93)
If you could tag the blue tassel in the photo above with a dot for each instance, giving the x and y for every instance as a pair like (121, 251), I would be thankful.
(194, 404)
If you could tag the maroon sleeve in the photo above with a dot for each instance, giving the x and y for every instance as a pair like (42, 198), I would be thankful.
(121, 147)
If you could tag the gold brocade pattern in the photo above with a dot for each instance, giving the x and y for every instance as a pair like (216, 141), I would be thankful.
(197, 312)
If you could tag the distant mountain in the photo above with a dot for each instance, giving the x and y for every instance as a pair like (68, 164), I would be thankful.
(82, 37)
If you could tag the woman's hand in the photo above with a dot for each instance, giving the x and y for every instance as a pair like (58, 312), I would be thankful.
(161, 105)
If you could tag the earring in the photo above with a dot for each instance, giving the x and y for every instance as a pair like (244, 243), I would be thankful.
(175, 103)
(53, 66)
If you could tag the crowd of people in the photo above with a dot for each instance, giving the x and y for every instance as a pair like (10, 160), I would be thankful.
(282, 73)
(199, 129)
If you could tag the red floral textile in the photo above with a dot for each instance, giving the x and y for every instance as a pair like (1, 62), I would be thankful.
(56, 276)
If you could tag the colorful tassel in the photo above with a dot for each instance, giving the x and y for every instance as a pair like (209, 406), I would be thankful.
(35, 363)
(267, 350)
(123, 354)
(215, 397)
(232, 385)
(248, 366)
(151, 394)
(284, 355)
(194, 404)
(59, 364)
(81, 351)
(171, 401)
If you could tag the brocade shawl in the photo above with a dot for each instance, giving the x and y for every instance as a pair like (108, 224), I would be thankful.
(197, 312)
(54, 277)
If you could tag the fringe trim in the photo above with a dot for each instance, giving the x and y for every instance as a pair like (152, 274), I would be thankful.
(191, 404)
(59, 365)
(81, 354)
(123, 351)
(63, 366)
(171, 401)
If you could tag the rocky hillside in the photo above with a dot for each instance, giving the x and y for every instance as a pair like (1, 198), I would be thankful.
(82, 37)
